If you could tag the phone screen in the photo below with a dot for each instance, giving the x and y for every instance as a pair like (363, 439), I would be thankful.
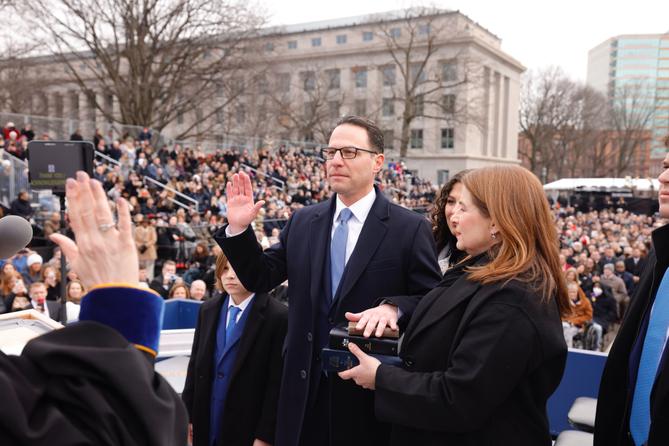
(50, 163)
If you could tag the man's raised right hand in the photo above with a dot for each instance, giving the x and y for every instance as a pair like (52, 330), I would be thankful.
(241, 208)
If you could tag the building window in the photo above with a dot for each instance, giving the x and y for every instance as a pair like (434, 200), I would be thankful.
(261, 82)
(309, 109)
(388, 107)
(361, 78)
(308, 80)
(447, 138)
(424, 29)
(241, 114)
(420, 105)
(443, 176)
(448, 103)
(449, 71)
(341, 39)
(395, 33)
(416, 139)
(269, 47)
(389, 139)
(283, 82)
(316, 41)
(360, 107)
(292, 44)
(388, 74)
(417, 70)
(367, 36)
(333, 108)
(334, 78)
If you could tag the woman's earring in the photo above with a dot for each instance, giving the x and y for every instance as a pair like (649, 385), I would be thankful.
(493, 235)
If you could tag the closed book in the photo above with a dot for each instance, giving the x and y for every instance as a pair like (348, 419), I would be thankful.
(387, 331)
(339, 340)
(340, 360)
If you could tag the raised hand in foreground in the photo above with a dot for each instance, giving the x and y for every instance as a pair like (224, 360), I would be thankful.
(241, 208)
(103, 252)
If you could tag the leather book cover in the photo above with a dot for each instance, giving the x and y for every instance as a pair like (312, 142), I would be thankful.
(340, 360)
(340, 338)
(387, 332)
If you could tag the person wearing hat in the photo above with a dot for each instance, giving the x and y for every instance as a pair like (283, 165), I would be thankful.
(10, 127)
(34, 264)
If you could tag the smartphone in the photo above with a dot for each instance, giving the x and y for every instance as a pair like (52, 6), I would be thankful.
(50, 163)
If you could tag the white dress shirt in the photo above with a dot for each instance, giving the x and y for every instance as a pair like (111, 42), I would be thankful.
(360, 209)
(46, 308)
(242, 306)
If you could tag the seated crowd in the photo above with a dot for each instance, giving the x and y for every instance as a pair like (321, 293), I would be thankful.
(602, 252)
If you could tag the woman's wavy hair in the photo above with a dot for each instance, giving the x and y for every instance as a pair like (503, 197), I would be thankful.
(529, 248)
(442, 235)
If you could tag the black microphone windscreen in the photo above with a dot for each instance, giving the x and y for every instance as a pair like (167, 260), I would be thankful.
(15, 234)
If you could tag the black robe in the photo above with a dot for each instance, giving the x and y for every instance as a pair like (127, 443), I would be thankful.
(87, 385)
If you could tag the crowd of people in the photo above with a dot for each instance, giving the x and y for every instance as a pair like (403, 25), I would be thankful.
(486, 317)
(602, 252)
(176, 233)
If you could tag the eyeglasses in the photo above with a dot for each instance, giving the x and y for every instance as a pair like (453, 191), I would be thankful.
(348, 153)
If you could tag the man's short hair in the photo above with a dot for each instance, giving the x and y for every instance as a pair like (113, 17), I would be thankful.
(609, 266)
(35, 285)
(169, 263)
(374, 133)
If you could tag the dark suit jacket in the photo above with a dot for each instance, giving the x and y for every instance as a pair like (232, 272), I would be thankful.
(635, 269)
(394, 255)
(619, 378)
(56, 311)
(480, 362)
(251, 401)
(157, 286)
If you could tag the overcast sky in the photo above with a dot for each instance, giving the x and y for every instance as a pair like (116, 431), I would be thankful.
(538, 33)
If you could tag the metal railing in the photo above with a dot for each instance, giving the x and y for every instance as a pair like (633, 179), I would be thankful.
(235, 141)
(13, 177)
(63, 128)
(193, 207)
(263, 174)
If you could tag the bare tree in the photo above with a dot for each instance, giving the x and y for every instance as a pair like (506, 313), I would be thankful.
(24, 85)
(310, 105)
(545, 114)
(159, 59)
(630, 116)
(586, 156)
(579, 140)
(425, 87)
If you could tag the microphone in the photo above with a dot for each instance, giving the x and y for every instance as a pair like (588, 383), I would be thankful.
(15, 234)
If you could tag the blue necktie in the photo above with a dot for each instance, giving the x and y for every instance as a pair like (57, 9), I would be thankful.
(338, 249)
(651, 354)
(232, 323)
